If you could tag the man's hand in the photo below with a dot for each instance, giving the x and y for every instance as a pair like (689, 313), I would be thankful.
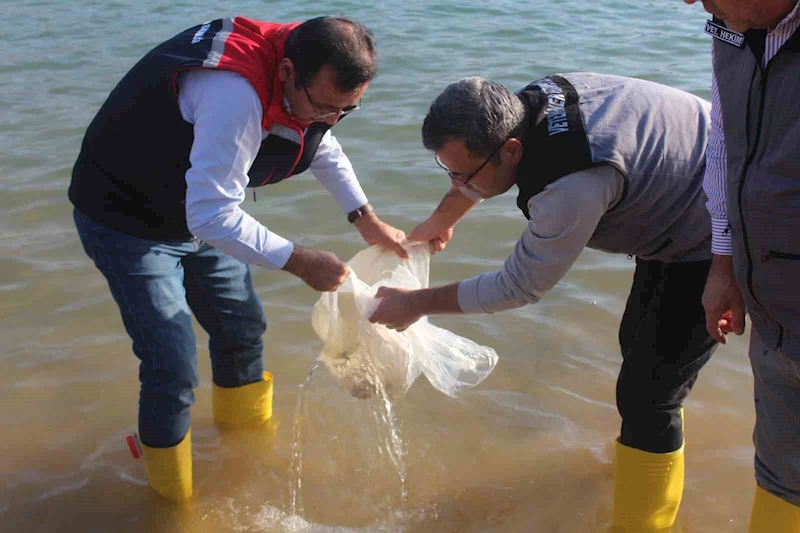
(322, 271)
(435, 231)
(374, 231)
(722, 300)
(438, 229)
(397, 308)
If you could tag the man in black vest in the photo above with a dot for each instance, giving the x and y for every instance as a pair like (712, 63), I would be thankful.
(753, 185)
(610, 163)
(157, 190)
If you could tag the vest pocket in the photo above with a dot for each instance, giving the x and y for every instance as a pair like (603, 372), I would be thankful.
(662, 247)
(774, 254)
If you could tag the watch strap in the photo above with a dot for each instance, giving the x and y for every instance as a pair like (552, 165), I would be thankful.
(355, 214)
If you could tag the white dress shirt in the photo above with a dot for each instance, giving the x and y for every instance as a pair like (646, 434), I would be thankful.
(226, 113)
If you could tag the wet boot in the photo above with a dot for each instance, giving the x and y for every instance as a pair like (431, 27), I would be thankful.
(246, 406)
(647, 489)
(773, 515)
(169, 470)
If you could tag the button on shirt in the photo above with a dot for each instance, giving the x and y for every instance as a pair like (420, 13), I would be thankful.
(226, 113)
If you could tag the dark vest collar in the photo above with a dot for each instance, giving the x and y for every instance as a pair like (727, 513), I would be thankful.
(554, 142)
(756, 41)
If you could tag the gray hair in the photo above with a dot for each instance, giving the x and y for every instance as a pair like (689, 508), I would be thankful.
(480, 112)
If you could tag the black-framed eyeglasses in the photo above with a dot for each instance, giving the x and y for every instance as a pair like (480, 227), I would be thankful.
(462, 179)
(322, 116)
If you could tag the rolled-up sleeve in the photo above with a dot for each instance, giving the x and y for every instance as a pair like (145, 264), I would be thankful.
(563, 218)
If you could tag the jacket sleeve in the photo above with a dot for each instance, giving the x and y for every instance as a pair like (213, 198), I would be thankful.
(563, 218)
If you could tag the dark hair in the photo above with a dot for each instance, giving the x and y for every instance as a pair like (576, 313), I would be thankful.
(479, 112)
(344, 44)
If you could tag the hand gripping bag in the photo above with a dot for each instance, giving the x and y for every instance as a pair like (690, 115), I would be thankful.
(365, 357)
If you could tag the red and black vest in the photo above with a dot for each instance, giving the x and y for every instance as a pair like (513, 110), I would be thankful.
(130, 173)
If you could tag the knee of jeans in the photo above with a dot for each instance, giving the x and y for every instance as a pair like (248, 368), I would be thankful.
(246, 331)
(254, 329)
(174, 376)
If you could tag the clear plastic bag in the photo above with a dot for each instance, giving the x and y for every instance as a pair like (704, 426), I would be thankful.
(364, 357)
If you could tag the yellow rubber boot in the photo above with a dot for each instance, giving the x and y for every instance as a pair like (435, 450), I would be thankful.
(773, 515)
(169, 470)
(249, 405)
(648, 488)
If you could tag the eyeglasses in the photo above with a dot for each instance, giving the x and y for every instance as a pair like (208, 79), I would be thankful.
(322, 116)
(461, 179)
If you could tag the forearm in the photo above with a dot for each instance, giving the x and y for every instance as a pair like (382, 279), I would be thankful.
(722, 264)
(437, 301)
(453, 207)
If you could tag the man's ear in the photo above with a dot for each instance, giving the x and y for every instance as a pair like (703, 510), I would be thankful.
(285, 69)
(513, 150)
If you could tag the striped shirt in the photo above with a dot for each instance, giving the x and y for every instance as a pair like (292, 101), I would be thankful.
(716, 156)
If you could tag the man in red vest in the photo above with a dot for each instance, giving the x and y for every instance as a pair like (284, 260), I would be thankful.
(157, 189)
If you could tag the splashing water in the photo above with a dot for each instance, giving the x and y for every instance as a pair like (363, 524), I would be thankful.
(297, 454)
(390, 443)
(393, 443)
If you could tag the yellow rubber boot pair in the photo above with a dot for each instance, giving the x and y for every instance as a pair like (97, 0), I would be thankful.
(773, 515)
(648, 488)
(169, 470)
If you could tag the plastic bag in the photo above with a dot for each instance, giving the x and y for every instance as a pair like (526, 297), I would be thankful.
(366, 357)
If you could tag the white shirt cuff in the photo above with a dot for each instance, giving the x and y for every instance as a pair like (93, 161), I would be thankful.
(720, 237)
(278, 252)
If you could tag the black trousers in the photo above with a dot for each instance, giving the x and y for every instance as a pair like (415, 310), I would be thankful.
(664, 345)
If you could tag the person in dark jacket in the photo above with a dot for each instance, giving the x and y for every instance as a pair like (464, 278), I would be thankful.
(753, 185)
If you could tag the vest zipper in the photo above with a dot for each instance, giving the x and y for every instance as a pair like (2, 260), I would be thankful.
(749, 161)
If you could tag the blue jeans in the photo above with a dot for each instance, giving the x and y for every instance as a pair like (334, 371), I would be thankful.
(157, 285)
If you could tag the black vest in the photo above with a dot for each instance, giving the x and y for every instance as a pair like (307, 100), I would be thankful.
(130, 173)
(760, 111)
(554, 142)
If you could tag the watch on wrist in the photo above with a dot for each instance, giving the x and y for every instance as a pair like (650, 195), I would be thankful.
(355, 214)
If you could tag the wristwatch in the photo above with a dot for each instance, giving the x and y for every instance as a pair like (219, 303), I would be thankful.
(355, 214)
